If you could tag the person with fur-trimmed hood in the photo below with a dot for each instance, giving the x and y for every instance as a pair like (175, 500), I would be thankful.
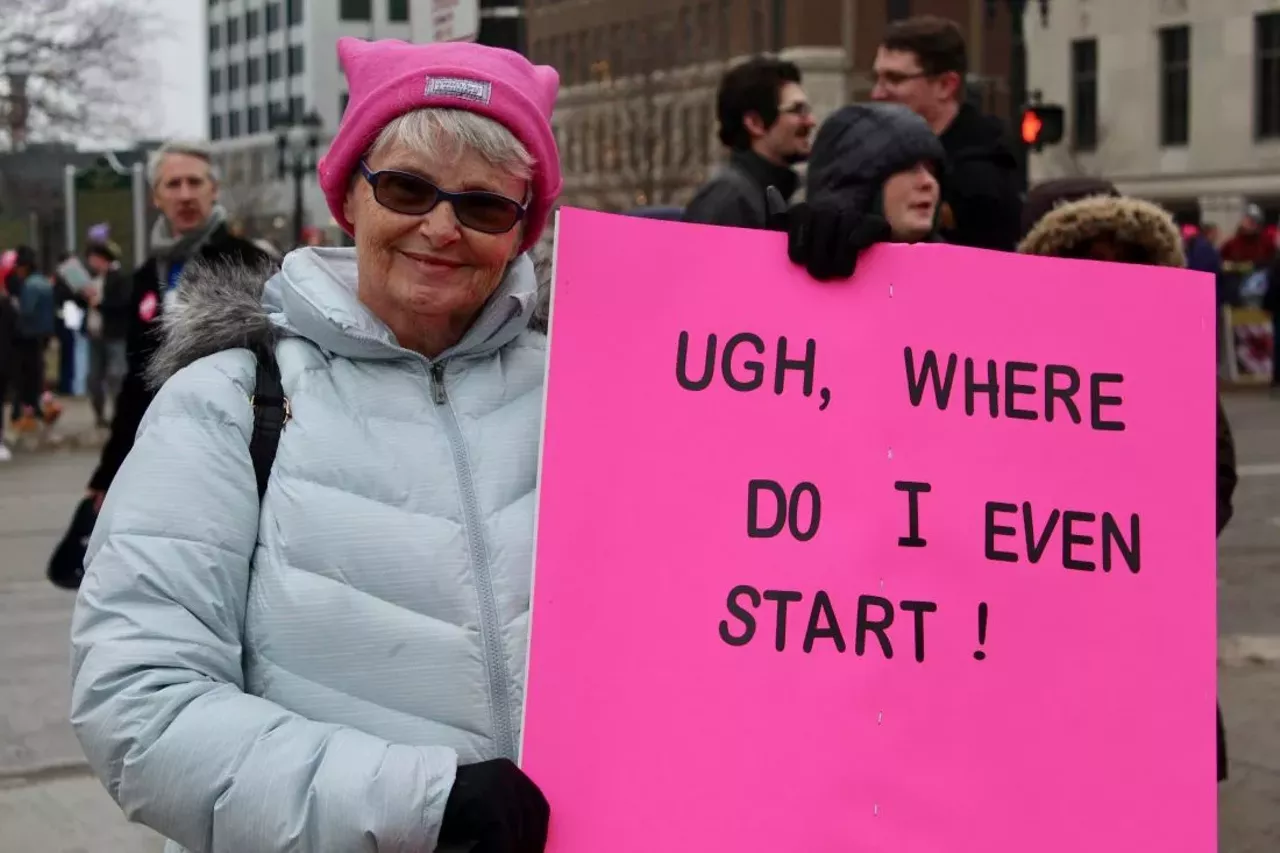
(1093, 221)
(875, 176)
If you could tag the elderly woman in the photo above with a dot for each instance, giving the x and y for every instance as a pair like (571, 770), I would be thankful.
(340, 666)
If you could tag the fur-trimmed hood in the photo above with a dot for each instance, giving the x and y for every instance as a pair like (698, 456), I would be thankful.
(1068, 227)
(224, 305)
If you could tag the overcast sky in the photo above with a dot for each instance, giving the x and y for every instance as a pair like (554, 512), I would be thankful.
(181, 71)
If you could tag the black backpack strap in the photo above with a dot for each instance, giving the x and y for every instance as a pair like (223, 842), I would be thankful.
(270, 414)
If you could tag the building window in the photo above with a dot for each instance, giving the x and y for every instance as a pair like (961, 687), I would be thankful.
(233, 31)
(570, 67)
(343, 100)
(665, 134)
(705, 31)
(215, 36)
(273, 17)
(898, 9)
(688, 118)
(1175, 85)
(297, 107)
(398, 11)
(255, 120)
(295, 59)
(273, 65)
(295, 12)
(251, 24)
(685, 24)
(233, 124)
(215, 127)
(723, 29)
(275, 115)
(233, 77)
(355, 10)
(1266, 111)
(215, 81)
(1084, 94)
(253, 71)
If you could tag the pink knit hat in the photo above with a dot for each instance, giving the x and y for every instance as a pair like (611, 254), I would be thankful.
(390, 78)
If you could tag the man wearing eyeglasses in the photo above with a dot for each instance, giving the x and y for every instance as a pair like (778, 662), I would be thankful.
(767, 124)
(921, 63)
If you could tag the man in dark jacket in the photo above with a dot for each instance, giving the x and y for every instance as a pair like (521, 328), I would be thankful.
(922, 63)
(192, 228)
(110, 303)
(766, 122)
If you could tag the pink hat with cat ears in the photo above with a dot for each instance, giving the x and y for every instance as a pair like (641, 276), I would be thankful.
(387, 79)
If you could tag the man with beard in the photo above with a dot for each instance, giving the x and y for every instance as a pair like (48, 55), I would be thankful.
(766, 122)
(922, 63)
(191, 229)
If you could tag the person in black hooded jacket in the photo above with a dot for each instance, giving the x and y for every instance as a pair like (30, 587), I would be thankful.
(876, 175)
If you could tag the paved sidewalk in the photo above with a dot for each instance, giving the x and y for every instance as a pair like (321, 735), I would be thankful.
(49, 803)
(74, 430)
(71, 814)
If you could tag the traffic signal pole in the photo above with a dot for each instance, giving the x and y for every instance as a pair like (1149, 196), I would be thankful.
(1018, 95)
(1018, 82)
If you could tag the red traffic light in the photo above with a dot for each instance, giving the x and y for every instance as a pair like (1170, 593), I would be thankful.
(1042, 124)
(1032, 124)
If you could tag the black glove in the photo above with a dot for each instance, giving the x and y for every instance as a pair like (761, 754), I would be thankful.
(496, 807)
(822, 237)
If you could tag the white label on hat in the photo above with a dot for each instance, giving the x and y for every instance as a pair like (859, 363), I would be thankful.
(458, 87)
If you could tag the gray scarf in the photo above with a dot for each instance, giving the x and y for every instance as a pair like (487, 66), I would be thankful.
(168, 247)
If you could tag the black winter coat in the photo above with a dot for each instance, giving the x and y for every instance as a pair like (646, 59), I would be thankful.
(146, 309)
(117, 306)
(8, 337)
(982, 199)
(736, 195)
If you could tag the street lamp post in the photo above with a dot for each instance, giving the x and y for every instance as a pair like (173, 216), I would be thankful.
(297, 139)
(18, 71)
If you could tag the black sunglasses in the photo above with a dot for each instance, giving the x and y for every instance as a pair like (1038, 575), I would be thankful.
(414, 195)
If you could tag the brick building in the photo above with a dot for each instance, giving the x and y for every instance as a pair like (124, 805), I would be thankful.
(636, 116)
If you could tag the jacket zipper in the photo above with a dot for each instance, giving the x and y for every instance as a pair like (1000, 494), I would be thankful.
(499, 677)
(496, 664)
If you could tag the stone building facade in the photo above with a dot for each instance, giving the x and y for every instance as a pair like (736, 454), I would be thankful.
(636, 116)
(1175, 100)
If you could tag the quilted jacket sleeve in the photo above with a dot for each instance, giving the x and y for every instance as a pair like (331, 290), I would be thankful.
(157, 698)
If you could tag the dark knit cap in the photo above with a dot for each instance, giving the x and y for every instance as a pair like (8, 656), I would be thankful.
(1047, 195)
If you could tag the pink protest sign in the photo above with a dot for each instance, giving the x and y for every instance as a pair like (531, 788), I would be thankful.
(918, 562)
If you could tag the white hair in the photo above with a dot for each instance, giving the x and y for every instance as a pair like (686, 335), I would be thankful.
(186, 147)
(445, 134)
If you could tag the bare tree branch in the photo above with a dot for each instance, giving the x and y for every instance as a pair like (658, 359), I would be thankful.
(649, 133)
(251, 202)
(84, 66)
